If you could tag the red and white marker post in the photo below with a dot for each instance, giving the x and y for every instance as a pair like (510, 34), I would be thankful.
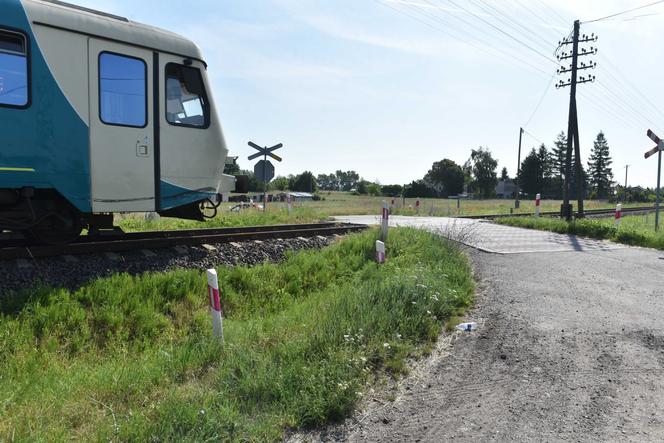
(289, 200)
(392, 203)
(380, 252)
(215, 304)
(537, 205)
(417, 206)
(384, 222)
(618, 214)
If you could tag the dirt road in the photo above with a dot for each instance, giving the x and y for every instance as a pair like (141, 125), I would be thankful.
(570, 347)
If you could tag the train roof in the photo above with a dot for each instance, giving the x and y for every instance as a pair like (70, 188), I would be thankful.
(69, 17)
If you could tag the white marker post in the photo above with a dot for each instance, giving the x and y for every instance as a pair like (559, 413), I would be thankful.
(215, 304)
(380, 252)
(618, 214)
(392, 202)
(384, 222)
(290, 202)
(537, 205)
(417, 206)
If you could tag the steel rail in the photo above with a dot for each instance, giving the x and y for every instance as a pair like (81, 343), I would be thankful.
(165, 239)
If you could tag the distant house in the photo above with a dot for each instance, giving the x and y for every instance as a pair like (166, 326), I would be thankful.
(295, 196)
(506, 189)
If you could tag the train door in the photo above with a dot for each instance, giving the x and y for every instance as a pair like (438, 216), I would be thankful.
(122, 145)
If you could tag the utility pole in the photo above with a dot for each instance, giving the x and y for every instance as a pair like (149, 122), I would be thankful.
(626, 169)
(572, 121)
(517, 203)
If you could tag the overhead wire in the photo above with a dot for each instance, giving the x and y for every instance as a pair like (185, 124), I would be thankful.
(526, 45)
(539, 103)
(610, 103)
(623, 12)
(486, 45)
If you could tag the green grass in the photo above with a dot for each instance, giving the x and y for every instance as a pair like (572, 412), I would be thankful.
(131, 358)
(341, 203)
(636, 230)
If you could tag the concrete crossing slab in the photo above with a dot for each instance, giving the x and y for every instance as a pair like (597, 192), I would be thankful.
(490, 237)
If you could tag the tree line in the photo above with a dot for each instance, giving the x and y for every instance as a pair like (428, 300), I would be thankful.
(542, 171)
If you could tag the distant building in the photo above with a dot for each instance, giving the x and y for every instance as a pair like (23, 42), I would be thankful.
(506, 189)
(295, 196)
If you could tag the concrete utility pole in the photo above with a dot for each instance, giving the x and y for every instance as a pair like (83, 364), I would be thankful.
(517, 203)
(572, 121)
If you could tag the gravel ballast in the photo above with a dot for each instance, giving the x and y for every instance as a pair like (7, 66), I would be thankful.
(72, 272)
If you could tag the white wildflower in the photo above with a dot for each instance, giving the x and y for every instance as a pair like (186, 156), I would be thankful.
(386, 345)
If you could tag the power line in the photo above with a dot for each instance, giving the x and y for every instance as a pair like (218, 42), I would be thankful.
(548, 87)
(485, 46)
(624, 12)
(503, 32)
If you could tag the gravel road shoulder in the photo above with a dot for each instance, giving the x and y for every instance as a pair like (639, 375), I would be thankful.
(570, 347)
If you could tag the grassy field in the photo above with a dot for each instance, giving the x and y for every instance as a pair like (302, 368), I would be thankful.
(340, 203)
(132, 358)
(637, 230)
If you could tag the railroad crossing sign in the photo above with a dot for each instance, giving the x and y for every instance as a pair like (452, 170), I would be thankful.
(659, 147)
(264, 171)
(265, 151)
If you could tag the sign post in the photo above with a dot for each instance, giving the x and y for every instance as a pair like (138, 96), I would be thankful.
(656, 150)
(264, 169)
(215, 304)
(538, 200)
(384, 222)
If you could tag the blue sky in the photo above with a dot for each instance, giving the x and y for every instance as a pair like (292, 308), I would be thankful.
(386, 87)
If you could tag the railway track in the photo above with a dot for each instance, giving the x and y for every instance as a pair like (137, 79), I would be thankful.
(19, 249)
(589, 213)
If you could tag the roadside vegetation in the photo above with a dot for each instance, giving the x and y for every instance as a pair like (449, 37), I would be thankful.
(132, 358)
(343, 203)
(635, 230)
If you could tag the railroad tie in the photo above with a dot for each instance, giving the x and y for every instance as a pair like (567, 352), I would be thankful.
(112, 256)
(24, 264)
(209, 248)
(303, 239)
(236, 245)
(70, 259)
(147, 253)
(181, 249)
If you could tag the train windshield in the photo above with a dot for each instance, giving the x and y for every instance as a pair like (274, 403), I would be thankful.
(13, 69)
(186, 100)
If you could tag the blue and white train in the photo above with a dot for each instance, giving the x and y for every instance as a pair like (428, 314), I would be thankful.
(98, 115)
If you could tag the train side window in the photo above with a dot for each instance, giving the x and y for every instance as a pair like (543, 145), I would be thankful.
(13, 70)
(186, 99)
(122, 90)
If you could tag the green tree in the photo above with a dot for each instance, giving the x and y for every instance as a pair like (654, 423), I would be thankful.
(446, 177)
(391, 190)
(599, 167)
(558, 155)
(504, 175)
(279, 183)
(347, 180)
(373, 189)
(232, 168)
(484, 171)
(328, 182)
(530, 180)
(305, 182)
